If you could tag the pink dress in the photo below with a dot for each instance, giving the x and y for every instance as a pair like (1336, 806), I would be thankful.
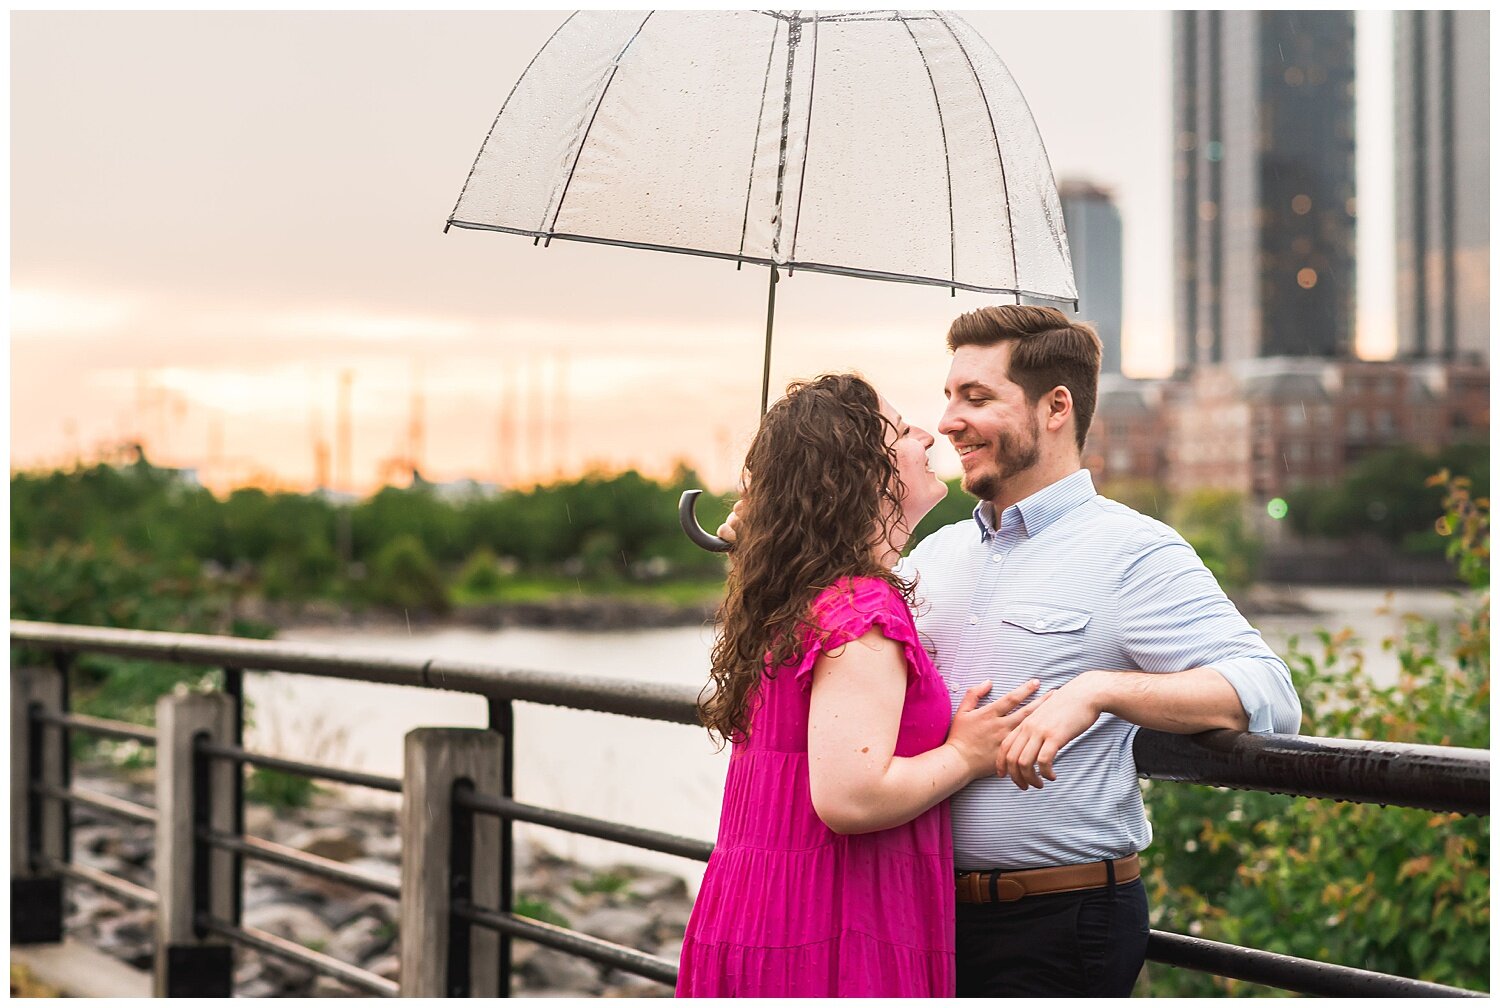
(789, 908)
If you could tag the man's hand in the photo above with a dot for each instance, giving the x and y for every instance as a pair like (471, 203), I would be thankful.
(1184, 702)
(1026, 756)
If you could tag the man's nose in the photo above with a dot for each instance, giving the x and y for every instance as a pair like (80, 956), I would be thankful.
(948, 424)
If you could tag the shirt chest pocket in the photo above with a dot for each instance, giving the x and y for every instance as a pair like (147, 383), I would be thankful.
(1044, 619)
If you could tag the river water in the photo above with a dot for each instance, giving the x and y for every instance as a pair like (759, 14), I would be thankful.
(645, 773)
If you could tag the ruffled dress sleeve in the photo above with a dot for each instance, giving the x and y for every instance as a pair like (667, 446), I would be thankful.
(849, 608)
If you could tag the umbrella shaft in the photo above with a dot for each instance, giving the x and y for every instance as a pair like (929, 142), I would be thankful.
(765, 378)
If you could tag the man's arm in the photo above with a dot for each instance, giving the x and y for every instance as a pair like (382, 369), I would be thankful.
(1203, 666)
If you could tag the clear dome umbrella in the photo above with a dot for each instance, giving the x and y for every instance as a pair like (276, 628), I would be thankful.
(892, 145)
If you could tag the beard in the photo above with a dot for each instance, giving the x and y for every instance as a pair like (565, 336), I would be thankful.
(1013, 456)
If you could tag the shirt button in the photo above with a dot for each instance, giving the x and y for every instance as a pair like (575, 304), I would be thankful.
(973, 620)
(1041, 624)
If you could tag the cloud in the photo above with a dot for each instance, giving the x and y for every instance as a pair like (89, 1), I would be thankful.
(40, 312)
(361, 327)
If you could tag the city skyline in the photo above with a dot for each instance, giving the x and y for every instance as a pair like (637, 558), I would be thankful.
(1265, 207)
(208, 261)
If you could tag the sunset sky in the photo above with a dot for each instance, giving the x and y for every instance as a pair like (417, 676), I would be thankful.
(215, 216)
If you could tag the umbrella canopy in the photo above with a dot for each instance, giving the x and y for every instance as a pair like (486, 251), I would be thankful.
(886, 144)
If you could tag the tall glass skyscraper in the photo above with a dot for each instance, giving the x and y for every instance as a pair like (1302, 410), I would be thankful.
(1443, 184)
(1094, 239)
(1263, 115)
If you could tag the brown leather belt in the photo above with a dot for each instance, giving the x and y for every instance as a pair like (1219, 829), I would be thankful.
(1006, 886)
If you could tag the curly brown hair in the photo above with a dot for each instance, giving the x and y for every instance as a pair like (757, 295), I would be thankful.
(823, 490)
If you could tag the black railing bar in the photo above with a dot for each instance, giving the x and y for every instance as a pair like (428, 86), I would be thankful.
(206, 649)
(239, 755)
(647, 700)
(634, 836)
(630, 698)
(596, 949)
(275, 945)
(98, 800)
(100, 726)
(112, 884)
(275, 853)
(657, 701)
(1302, 976)
(1436, 778)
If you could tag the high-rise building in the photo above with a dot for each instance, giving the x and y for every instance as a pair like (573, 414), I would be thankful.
(1443, 184)
(1263, 115)
(1093, 224)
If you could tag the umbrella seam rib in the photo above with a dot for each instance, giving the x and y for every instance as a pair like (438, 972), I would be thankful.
(793, 36)
(947, 158)
(759, 117)
(812, 84)
(1010, 224)
(812, 267)
(583, 140)
(490, 135)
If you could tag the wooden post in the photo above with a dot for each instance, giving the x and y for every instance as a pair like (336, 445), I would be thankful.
(439, 760)
(38, 825)
(191, 878)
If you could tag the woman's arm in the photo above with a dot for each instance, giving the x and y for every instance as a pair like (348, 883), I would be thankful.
(859, 785)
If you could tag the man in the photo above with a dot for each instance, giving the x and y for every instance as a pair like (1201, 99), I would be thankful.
(1123, 624)
(1121, 621)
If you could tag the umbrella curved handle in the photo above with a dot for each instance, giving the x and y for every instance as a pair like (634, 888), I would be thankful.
(694, 531)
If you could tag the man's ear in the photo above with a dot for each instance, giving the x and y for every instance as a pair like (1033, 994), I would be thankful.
(1059, 407)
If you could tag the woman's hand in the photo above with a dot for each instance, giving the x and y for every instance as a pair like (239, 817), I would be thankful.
(977, 733)
(729, 531)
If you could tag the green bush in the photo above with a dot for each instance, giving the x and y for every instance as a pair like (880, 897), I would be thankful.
(1214, 522)
(1400, 891)
(481, 576)
(404, 576)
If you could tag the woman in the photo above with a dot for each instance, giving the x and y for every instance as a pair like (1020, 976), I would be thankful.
(833, 871)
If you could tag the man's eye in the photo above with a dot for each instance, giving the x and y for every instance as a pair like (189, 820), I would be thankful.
(977, 400)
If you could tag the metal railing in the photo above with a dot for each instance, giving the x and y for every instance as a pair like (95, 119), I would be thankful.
(457, 894)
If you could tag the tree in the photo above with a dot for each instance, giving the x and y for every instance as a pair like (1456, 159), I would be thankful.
(1213, 521)
(1386, 495)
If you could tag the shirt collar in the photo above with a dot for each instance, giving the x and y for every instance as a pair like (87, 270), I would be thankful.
(1041, 509)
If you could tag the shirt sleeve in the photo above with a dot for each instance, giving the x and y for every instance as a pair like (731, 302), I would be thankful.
(1174, 616)
(849, 609)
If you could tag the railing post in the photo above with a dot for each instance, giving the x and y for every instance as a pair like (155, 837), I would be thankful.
(440, 761)
(38, 826)
(192, 880)
(503, 723)
(234, 688)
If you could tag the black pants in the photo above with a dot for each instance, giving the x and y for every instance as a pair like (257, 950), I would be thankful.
(1089, 943)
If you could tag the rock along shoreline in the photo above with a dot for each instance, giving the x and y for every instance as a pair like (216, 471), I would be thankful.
(637, 907)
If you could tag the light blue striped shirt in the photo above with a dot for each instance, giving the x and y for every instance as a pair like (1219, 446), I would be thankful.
(1068, 582)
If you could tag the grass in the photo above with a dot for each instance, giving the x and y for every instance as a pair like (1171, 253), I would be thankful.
(546, 588)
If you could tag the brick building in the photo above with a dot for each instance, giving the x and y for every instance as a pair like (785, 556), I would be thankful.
(1261, 427)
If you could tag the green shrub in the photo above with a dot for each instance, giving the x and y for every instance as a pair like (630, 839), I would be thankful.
(481, 576)
(280, 790)
(404, 576)
(528, 906)
(1394, 890)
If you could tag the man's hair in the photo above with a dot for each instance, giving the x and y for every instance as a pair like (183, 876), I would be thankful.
(1048, 349)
